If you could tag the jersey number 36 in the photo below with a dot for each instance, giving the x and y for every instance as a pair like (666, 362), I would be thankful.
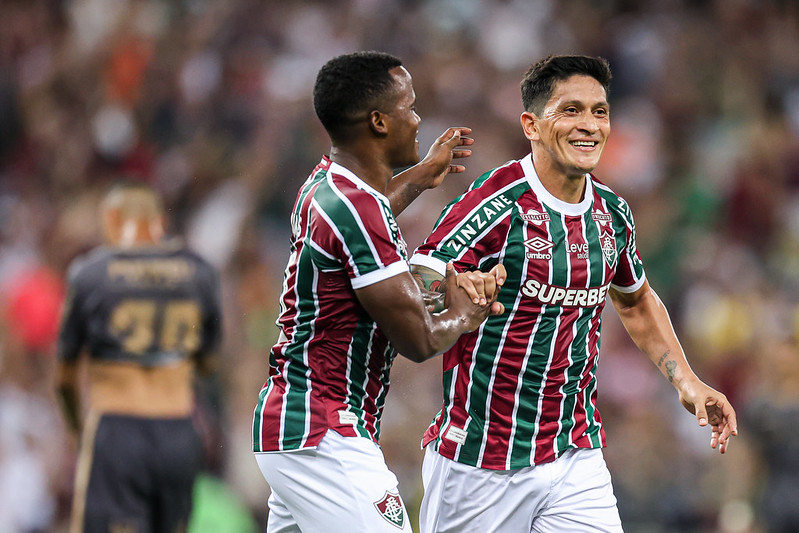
(142, 325)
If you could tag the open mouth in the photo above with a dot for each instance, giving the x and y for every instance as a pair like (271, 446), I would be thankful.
(584, 144)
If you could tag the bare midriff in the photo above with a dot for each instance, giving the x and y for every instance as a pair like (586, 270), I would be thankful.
(130, 389)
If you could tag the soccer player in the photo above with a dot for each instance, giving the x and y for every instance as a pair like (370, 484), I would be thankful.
(147, 311)
(517, 444)
(349, 303)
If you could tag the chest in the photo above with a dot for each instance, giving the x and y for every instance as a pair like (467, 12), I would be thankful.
(564, 258)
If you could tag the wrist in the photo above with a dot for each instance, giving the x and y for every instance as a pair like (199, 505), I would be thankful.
(427, 172)
(434, 301)
(684, 384)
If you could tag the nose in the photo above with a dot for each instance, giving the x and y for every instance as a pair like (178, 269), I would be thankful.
(588, 122)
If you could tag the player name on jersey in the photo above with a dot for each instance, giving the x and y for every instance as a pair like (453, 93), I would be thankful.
(150, 270)
(480, 220)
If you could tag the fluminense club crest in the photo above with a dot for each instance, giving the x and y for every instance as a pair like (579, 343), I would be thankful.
(391, 508)
(608, 242)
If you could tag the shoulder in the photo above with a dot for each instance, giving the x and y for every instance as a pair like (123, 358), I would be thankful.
(500, 186)
(87, 264)
(498, 179)
(601, 188)
(614, 201)
(199, 264)
(343, 200)
(190, 254)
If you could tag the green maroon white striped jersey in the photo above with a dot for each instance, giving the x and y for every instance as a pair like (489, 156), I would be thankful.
(521, 389)
(330, 366)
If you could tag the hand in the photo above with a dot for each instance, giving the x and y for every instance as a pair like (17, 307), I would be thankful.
(484, 286)
(443, 151)
(711, 407)
(406, 186)
(456, 299)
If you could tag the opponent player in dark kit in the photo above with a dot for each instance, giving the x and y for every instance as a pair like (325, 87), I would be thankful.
(147, 312)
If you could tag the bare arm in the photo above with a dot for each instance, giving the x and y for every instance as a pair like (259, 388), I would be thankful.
(480, 286)
(207, 364)
(406, 186)
(647, 321)
(68, 394)
(397, 307)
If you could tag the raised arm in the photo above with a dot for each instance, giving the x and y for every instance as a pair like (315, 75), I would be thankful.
(406, 186)
(647, 321)
(396, 305)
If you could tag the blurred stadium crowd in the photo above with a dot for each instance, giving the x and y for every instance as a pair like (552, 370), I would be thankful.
(210, 100)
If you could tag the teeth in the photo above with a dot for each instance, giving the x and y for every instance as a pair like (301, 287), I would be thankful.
(583, 143)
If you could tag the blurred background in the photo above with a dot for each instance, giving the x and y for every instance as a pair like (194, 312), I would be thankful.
(210, 101)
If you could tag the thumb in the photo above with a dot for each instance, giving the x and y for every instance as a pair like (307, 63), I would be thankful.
(499, 273)
(701, 414)
(451, 274)
(451, 284)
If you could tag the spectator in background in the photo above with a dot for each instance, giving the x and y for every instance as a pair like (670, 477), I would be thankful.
(774, 407)
(203, 98)
(146, 310)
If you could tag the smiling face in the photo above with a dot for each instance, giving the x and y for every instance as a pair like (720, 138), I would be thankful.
(570, 134)
(404, 122)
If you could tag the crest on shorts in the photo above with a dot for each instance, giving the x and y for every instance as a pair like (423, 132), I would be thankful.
(608, 248)
(391, 508)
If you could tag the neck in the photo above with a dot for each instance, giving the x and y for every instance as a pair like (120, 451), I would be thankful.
(136, 233)
(563, 185)
(366, 162)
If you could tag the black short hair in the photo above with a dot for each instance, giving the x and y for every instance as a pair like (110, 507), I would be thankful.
(540, 78)
(351, 85)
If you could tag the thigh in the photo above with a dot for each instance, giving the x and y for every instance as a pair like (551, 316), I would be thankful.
(342, 485)
(582, 497)
(280, 519)
(111, 480)
(176, 460)
(464, 499)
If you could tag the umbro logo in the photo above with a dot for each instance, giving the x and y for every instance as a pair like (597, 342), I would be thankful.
(538, 244)
(538, 247)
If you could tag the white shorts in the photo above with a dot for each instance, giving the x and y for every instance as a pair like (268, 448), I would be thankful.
(343, 485)
(572, 493)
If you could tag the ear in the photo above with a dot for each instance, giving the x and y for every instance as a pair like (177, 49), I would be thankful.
(530, 125)
(378, 123)
(157, 228)
(111, 224)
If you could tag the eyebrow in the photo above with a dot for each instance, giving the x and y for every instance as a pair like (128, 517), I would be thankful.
(580, 103)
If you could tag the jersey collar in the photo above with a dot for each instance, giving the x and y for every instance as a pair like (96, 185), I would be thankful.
(551, 201)
(337, 169)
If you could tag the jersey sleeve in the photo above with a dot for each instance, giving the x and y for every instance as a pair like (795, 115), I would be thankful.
(72, 330)
(630, 275)
(354, 230)
(469, 230)
(212, 312)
